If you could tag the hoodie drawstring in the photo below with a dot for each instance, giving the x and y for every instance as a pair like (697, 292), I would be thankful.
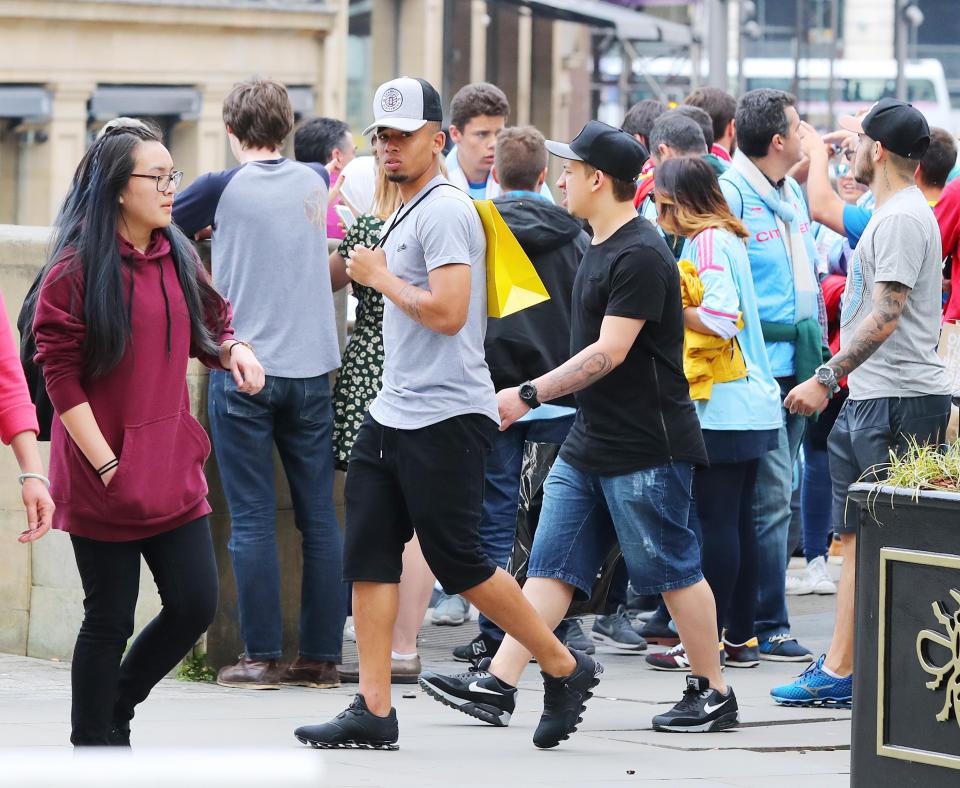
(166, 307)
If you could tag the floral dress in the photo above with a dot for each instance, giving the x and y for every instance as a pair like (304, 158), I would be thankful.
(359, 379)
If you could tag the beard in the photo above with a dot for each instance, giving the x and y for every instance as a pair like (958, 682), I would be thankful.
(398, 178)
(863, 172)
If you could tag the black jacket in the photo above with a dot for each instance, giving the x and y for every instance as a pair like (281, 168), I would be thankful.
(526, 344)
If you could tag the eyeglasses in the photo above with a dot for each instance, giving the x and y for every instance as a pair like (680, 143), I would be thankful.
(164, 181)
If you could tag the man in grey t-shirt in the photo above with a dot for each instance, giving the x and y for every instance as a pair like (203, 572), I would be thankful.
(418, 463)
(890, 319)
(432, 375)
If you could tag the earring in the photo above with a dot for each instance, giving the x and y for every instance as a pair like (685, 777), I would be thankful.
(120, 200)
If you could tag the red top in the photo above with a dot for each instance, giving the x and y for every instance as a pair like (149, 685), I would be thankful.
(17, 413)
(947, 211)
(141, 405)
(720, 152)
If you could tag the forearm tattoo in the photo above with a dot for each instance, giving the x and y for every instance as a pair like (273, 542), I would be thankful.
(574, 376)
(889, 299)
(409, 300)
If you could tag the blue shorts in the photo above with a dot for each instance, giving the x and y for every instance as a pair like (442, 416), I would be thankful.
(585, 514)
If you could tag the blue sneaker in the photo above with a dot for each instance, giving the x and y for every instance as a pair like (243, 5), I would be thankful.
(815, 687)
(784, 648)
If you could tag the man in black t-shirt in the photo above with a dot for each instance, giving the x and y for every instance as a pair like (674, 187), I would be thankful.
(625, 471)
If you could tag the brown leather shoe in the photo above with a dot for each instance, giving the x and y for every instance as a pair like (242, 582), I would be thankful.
(251, 674)
(402, 671)
(311, 673)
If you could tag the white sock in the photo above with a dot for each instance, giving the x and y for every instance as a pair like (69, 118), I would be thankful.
(403, 657)
(830, 673)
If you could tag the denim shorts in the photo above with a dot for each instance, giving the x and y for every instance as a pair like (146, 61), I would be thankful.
(585, 514)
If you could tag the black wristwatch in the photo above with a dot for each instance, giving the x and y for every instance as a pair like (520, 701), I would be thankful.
(528, 395)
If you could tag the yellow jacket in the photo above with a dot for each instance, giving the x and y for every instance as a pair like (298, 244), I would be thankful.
(707, 359)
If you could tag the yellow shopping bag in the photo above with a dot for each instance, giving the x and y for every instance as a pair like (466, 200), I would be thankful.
(512, 281)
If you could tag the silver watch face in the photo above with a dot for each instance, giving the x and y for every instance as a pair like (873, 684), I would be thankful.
(826, 376)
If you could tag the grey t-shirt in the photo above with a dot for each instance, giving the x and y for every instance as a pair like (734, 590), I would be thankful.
(428, 376)
(900, 244)
(269, 258)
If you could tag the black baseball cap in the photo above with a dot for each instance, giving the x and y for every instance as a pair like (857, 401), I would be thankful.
(407, 104)
(609, 149)
(898, 126)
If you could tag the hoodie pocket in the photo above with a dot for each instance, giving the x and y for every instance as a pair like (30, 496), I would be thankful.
(161, 470)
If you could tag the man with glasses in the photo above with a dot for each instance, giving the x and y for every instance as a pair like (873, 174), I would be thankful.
(829, 208)
(269, 237)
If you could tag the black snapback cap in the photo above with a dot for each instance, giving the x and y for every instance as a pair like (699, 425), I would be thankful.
(609, 149)
(898, 126)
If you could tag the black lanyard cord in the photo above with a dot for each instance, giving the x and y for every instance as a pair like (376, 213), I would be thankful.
(401, 216)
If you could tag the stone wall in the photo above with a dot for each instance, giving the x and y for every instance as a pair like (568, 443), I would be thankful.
(41, 601)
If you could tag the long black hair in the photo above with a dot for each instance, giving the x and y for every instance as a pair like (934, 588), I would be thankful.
(85, 235)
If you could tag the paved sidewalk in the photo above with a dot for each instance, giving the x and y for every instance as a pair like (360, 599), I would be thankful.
(615, 745)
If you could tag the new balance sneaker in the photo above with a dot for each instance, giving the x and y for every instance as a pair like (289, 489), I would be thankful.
(700, 710)
(576, 638)
(477, 692)
(797, 585)
(356, 727)
(450, 611)
(819, 577)
(815, 687)
(658, 631)
(564, 700)
(675, 659)
(478, 648)
(742, 655)
(617, 632)
(784, 648)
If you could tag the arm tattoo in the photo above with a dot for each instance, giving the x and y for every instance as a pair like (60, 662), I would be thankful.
(409, 301)
(574, 376)
(889, 299)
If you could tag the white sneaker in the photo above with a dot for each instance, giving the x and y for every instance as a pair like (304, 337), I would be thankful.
(798, 585)
(451, 611)
(819, 577)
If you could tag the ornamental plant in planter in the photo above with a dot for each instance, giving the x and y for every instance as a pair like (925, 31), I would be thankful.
(906, 691)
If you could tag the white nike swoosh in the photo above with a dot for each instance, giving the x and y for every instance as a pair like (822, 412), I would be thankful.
(475, 687)
(711, 709)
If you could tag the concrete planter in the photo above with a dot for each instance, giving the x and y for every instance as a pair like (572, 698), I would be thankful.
(906, 708)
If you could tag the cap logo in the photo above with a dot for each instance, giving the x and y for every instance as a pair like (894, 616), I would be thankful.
(391, 100)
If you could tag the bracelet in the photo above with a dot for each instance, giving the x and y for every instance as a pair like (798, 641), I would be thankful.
(108, 467)
(239, 342)
(24, 476)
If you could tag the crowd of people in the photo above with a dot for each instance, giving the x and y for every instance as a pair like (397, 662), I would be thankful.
(743, 315)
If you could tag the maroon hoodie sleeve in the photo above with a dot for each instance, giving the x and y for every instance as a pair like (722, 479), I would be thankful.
(219, 319)
(17, 413)
(59, 330)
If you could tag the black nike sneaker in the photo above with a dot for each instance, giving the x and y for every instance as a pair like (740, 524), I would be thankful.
(477, 692)
(700, 710)
(356, 727)
(564, 700)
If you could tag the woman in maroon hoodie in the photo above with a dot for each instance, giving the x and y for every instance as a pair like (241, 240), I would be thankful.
(124, 304)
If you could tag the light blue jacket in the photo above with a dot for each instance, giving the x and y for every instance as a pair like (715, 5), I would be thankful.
(769, 260)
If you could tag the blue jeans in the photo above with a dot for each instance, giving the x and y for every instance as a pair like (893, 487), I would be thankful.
(771, 515)
(584, 514)
(498, 526)
(816, 503)
(296, 414)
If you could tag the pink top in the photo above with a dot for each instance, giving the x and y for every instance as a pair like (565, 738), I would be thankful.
(333, 220)
(17, 413)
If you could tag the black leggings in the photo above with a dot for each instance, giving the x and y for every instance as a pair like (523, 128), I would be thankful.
(724, 495)
(105, 691)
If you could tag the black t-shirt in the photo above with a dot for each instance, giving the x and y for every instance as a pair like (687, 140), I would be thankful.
(640, 415)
